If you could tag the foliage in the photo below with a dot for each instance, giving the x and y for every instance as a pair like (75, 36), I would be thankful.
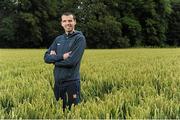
(106, 24)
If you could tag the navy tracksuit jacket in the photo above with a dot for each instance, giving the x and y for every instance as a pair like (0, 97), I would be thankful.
(68, 69)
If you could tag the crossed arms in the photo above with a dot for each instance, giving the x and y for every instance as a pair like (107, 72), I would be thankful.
(68, 59)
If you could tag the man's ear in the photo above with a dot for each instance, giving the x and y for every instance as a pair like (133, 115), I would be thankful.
(75, 22)
(61, 23)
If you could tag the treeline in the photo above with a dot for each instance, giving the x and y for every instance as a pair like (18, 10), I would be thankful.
(105, 23)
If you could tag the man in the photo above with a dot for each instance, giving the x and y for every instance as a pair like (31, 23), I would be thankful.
(65, 53)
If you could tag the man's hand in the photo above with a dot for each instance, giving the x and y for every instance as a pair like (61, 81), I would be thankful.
(52, 52)
(66, 55)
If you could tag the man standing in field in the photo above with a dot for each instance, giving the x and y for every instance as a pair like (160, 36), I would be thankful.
(65, 53)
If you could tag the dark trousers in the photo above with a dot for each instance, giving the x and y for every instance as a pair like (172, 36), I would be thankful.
(68, 91)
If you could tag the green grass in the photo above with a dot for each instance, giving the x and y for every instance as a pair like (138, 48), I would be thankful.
(119, 83)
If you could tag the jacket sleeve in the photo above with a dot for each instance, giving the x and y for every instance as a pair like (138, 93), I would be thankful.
(76, 55)
(52, 58)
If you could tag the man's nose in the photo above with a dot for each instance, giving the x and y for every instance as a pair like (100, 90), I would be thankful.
(67, 23)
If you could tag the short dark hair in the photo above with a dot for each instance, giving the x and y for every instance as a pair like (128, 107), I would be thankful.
(67, 14)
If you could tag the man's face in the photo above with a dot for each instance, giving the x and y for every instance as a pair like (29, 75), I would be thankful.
(68, 23)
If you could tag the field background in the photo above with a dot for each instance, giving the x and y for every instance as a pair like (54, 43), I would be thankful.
(118, 83)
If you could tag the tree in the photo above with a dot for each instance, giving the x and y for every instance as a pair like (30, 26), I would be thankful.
(153, 19)
(106, 24)
(101, 29)
(173, 33)
(7, 22)
(7, 32)
(35, 22)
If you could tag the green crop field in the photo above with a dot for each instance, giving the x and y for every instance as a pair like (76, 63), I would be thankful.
(119, 83)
